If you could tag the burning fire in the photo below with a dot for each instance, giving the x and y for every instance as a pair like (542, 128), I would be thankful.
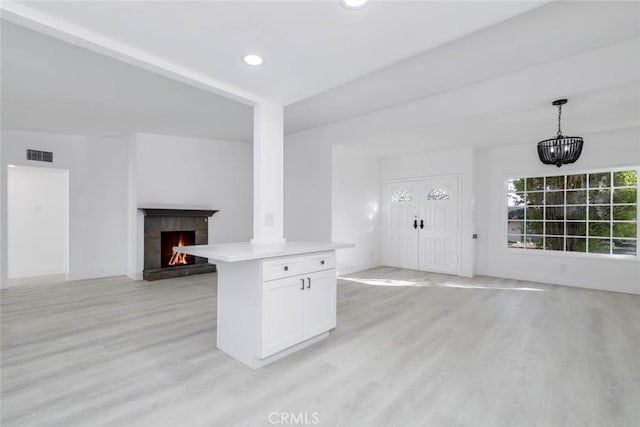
(177, 258)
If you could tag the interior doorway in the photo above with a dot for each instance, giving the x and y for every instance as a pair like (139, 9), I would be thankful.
(38, 222)
(422, 224)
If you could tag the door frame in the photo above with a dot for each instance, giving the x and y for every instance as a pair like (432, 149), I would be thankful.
(66, 173)
(386, 206)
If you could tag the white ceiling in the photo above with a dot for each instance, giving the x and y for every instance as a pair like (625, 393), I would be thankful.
(307, 46)
(52, 86)
(393, 77)
(541, 36)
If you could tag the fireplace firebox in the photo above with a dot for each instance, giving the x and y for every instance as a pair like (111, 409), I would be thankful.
(166, 228)
(170, 239)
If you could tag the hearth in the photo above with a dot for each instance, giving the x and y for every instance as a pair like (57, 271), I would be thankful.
(166, 228)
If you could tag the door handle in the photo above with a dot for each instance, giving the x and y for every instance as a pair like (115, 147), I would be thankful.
(302, 288)
(309, 284)
(421, 224)
(415, 223)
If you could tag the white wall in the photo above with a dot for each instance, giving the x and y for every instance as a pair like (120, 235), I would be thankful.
(181, 172)
(37, 214)
(307, 188)
(356, 211)
(495, 165)
(458, 162)
(97, 197)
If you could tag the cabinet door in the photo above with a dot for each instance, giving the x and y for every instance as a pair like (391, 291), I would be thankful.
(319, 303)
(282, 304)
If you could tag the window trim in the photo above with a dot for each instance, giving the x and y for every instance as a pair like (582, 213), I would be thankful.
(564, 253)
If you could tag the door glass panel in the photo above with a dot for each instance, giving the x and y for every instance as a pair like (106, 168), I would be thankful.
(438, 194)
(402, 195)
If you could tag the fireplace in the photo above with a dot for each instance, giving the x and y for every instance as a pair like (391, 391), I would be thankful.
(166, 228)
(170, 239)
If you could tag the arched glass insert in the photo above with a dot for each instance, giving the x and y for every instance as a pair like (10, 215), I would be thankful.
(438, 194)
(402, 195)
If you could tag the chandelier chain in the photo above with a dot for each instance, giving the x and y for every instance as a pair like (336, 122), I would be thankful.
(559, 117)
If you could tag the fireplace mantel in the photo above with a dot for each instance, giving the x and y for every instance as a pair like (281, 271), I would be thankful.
(177, 212)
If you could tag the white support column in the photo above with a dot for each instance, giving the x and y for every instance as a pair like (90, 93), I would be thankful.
(268, 173)
(4, 260)
(135, 228)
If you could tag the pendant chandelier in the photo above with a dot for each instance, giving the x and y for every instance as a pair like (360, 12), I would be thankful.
(560, 150)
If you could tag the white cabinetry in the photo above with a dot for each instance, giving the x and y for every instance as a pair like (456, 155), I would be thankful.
(271, 307)
(282, 311)
(319, 302)
(298, 307)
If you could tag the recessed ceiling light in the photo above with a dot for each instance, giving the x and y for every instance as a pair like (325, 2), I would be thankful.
(252, 60)
(353, 4)
(12, 166)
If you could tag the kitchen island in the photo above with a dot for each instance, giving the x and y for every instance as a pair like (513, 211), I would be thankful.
(273, 299)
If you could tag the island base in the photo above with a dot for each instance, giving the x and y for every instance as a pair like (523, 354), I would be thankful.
(255, 363)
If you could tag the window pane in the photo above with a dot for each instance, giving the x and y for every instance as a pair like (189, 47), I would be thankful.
(599, 246)
(534, 242)
(601, 229)
(592, 212)
(578, 197)
(599, 197)
(555, 183)
(625, 179)
(600, 213)
(555, 198)
(516, 228)
(554, 243)
(555, 213)
(516, 184)
(515, 242)
(576, 245)
(576, 228)
(624, 229)
(515, 199)
(576, 212)
(625, 195)
(554, 228)
(625, 213)
(535, 184)
(599, 180)
(535, 227)
(624, 247)
(577, 181)
(535, 198)
(534, 213)
(515, 213)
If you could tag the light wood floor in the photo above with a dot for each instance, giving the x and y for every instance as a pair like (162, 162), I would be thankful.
(411, 349)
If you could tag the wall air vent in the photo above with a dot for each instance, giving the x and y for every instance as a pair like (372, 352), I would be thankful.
(40, 156)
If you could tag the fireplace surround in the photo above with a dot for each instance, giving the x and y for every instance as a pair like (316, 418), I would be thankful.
(176, 227)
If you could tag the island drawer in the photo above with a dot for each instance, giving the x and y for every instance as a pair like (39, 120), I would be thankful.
(279, 268)
(320, 261)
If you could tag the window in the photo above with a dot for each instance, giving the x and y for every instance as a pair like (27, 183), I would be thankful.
(401, 196)
(438, 194)
(590, 213)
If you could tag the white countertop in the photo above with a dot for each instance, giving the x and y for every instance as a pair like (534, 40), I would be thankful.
(245, 251)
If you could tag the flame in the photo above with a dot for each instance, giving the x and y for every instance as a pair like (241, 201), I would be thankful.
(178, 258)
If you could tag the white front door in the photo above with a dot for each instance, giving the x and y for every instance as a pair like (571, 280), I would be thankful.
(438, 228)
(402, 225)
(421, 228)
